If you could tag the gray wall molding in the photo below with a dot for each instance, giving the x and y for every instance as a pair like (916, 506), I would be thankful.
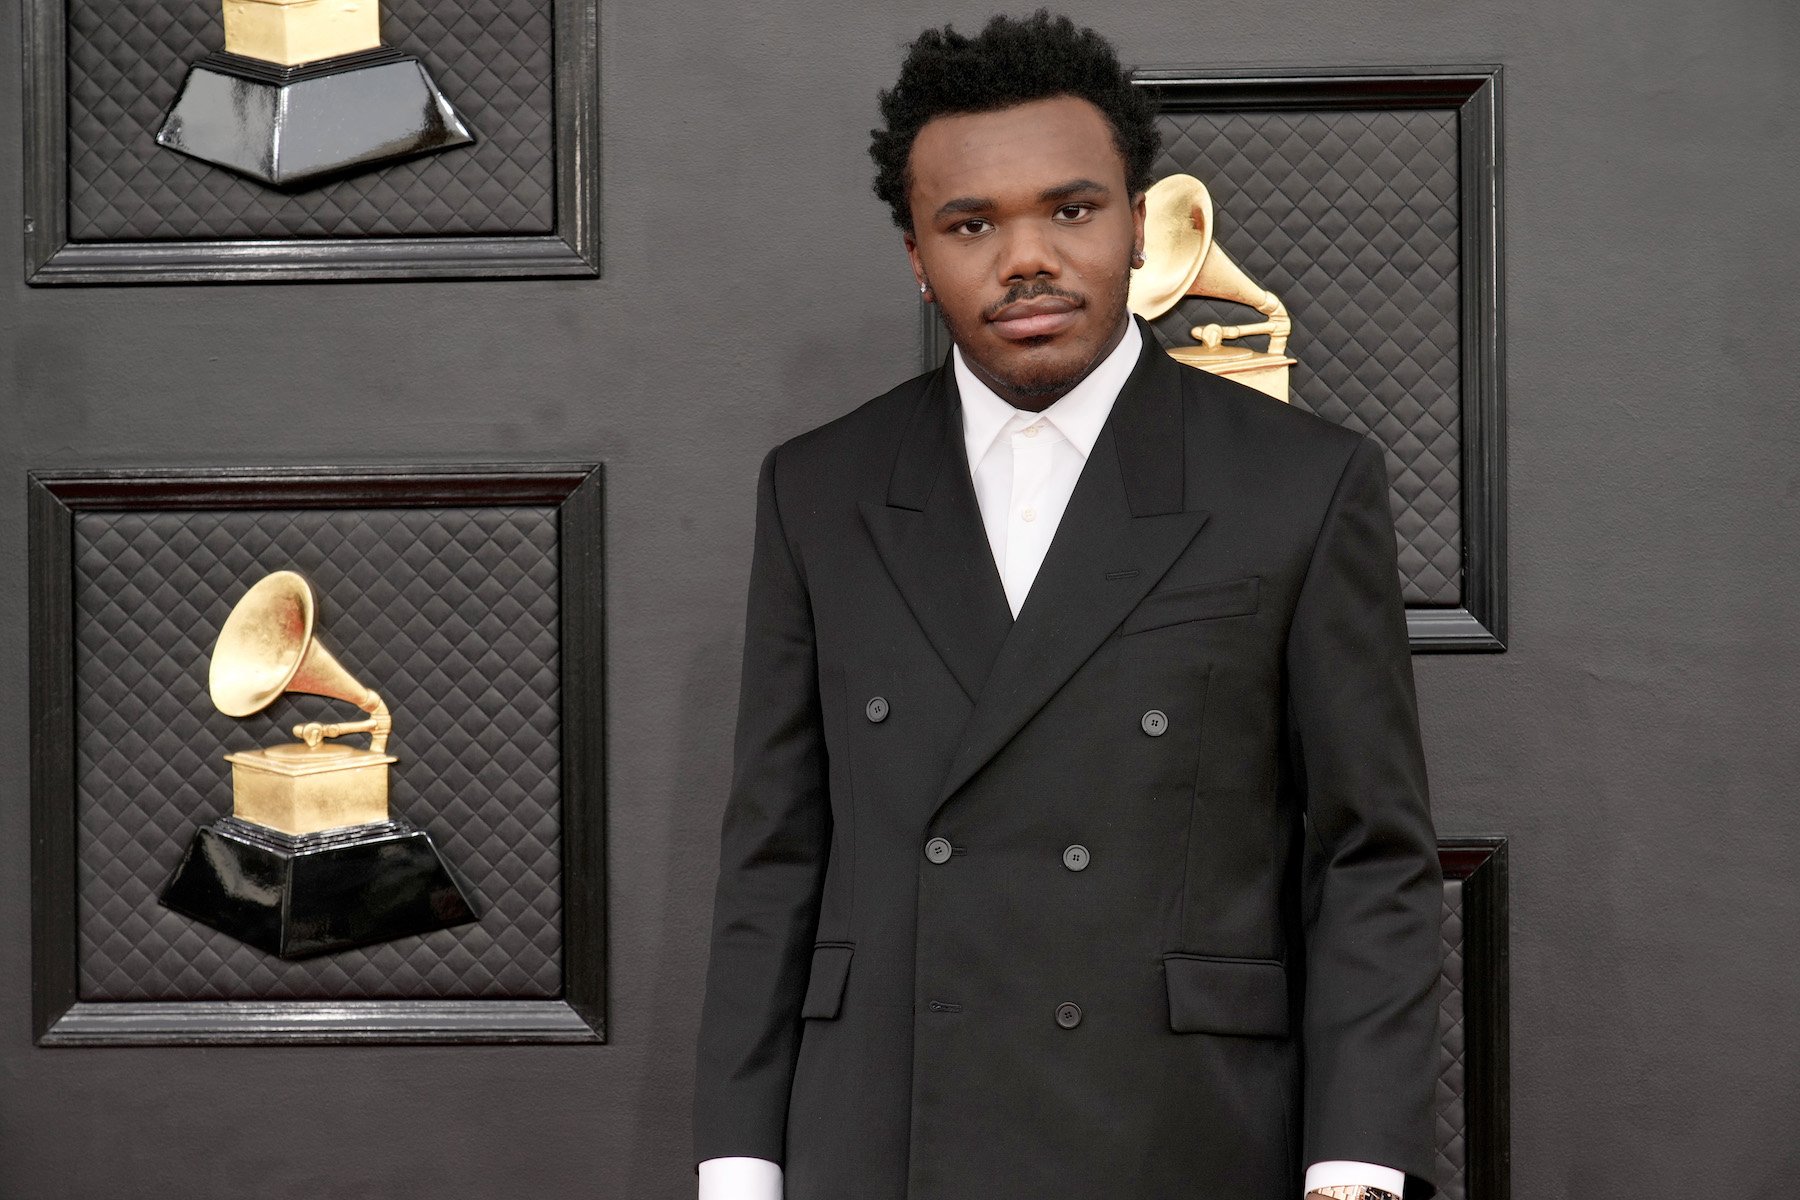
(1475, 1119)
(54, 254)
(63, 1013)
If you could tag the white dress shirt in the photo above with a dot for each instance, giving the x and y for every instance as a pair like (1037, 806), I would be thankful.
(1024, 466)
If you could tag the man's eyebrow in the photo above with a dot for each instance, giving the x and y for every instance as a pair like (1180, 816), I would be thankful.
(1062, 191)
(964, 204)
(1075, 187)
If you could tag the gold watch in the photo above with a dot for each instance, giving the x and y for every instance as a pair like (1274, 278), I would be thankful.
(1353, 1191)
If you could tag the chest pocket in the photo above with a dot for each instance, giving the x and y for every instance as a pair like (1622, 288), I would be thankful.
(1198, 602)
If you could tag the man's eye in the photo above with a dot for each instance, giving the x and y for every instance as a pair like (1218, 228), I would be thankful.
(1074, 212)
(972, 225)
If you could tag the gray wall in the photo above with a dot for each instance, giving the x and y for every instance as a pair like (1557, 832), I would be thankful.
(1637, 742)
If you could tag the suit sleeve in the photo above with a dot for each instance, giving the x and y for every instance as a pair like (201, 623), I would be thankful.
(1375, 890)
(773, 847)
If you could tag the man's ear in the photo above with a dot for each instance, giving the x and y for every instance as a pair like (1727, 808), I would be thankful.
(1139, 211)
(918, 265)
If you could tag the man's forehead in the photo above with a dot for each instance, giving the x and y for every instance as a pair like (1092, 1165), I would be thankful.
(1018, 150)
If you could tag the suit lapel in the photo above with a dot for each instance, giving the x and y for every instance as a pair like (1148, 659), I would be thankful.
(932, 542)
(1125, 525)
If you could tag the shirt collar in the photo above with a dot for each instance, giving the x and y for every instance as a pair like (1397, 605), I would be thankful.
(1078, 416)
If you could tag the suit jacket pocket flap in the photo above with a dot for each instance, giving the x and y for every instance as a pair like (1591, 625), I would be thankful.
(1172, 606)
(825, 987)
(1243, 997)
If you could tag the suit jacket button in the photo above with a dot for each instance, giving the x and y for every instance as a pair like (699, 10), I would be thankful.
(1155, 722)
(877, 710)
(937, 850)
(1068, 1015)
(1076, 858)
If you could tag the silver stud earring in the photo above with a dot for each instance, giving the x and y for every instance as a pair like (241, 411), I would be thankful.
(923, 289)
(1137, 258)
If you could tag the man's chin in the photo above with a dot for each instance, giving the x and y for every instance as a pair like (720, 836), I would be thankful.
(1037, 367)
(1038, 385)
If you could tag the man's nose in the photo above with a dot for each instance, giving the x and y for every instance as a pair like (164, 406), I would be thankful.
(1028, 252)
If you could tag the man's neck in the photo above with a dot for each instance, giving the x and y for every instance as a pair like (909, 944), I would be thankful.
(1039, 401)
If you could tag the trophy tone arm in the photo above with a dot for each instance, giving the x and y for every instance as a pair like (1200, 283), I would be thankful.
(379, 725)
(1278, 326)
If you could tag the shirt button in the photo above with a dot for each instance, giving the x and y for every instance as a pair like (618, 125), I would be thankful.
(1068, 1015)
(877, 710)
(1033, 431)
(1028, 515)
(1076, 858)
(937, 850)
(1155, 722)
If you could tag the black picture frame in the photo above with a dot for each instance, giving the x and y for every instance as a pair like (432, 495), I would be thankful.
(1480, 863)
(59, 1016)
(1473, 93)
(571, 249)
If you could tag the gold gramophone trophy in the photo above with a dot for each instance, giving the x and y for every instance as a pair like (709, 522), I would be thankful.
(1181, 259)
(303, 91)
(310, 860)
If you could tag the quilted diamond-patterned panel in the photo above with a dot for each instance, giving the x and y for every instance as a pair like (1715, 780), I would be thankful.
(450, 614)
(1352, 219)
(1452, 1112)
(126, 61)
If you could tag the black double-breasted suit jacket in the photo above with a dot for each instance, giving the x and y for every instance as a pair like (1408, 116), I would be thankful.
(1135, 896)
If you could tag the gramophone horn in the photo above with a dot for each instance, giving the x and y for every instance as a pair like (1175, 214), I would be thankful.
(1181, 259)
(1222, 279)
(1178, 228)
(267, 647)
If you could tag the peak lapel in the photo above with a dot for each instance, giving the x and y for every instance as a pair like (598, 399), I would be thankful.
(932, 542)
(1124, 527)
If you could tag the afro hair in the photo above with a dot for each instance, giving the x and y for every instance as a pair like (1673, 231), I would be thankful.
(1011, 61)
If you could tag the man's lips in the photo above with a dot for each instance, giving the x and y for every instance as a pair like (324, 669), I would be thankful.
(1037, 317)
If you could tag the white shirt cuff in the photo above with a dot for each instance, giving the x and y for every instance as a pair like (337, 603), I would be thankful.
(1338, 1172)
(740, 1179)
(759, 1179)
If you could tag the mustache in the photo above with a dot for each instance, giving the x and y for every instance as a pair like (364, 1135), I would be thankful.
(1031, 291)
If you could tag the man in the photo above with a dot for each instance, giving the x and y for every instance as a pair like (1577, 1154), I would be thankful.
(1078, 842)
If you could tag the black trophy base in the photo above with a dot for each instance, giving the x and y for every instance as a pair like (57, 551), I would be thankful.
(296, 895)
(293, 127)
